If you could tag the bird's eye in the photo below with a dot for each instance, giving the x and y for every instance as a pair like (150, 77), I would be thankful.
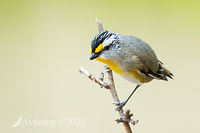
(107, 47)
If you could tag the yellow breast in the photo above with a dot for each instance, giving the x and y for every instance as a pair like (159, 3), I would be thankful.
(134, 76)
(111, 64)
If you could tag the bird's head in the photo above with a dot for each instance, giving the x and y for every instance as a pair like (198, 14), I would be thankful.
(101, 44)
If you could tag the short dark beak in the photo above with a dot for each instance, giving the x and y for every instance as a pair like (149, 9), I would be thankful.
(93, 56)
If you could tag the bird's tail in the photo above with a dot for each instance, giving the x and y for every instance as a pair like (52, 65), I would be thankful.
(161, 74)
(167, 73)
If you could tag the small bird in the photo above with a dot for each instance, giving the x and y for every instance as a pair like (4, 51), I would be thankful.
(128, 56)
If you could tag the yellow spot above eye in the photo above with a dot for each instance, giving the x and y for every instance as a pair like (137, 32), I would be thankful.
(90, 49)
(99, 48)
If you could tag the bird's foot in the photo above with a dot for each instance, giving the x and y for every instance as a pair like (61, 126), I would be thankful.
(119, 105)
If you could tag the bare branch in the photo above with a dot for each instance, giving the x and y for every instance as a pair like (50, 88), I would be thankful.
(99, 25)
(93, 78)
(101, 76)
(116, 99)
(112, 85)
(125, 116)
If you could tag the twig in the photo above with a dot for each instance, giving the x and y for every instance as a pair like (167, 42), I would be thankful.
(93, 78)
(101, 76)
(116, 99)
(125, 116)
(99, 25)
(112, 85)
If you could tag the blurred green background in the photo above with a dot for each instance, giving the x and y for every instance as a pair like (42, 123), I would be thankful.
(44, 42)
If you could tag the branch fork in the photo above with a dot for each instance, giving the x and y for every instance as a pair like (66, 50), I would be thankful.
(94, 79)
(126, 117)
